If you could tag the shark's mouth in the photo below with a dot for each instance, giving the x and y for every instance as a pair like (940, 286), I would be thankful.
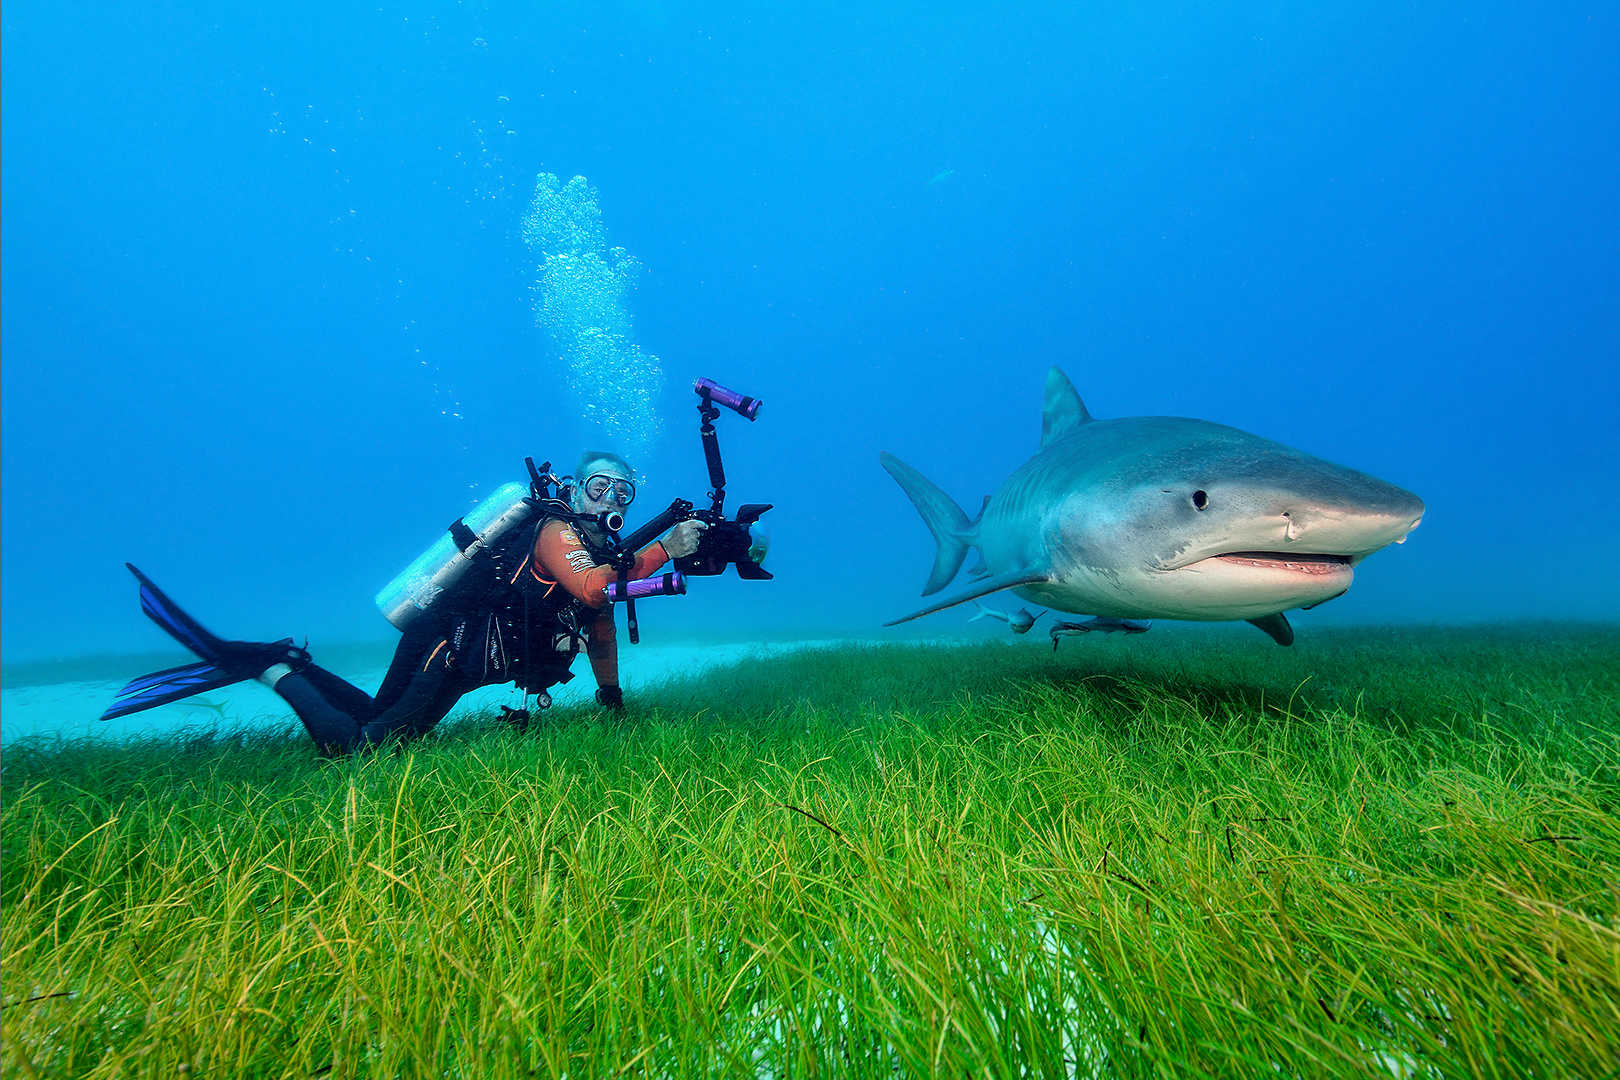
(1299, 563)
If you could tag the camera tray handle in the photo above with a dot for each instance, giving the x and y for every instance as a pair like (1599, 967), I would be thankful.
(711, 451)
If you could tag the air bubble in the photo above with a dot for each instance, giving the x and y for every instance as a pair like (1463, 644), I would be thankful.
(580, 288)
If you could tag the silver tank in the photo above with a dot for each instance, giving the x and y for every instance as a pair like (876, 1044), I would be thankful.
(441, 566)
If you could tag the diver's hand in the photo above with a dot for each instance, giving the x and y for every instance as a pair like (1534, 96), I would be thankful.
(683, 539)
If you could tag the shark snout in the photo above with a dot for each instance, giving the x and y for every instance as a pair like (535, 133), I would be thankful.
(1293, 524)
(1353, 529)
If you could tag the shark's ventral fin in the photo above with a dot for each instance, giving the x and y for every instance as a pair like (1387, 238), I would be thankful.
(1277, 626)
(1064, 411)
(982, 588)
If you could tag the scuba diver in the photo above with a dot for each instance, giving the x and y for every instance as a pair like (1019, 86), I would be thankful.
(521, 623)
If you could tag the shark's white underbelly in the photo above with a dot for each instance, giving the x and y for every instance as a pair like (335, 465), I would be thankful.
(1215, 591)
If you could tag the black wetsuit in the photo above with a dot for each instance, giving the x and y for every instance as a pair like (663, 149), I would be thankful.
(428, 676)
(526, 630)
(417, 692)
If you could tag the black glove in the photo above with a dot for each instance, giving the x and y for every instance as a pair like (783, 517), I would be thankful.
(610, 697)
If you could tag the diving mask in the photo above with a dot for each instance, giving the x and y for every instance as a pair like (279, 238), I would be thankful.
(599, 486)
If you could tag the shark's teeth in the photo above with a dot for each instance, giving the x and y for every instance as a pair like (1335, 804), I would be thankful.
(1304, 564)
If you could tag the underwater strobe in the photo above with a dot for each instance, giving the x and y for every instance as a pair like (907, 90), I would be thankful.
(741, 542)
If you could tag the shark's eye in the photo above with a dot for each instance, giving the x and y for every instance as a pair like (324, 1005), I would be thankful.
(1201, 500)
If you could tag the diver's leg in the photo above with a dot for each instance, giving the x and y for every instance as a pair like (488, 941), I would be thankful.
(332, 709)
(422, 645)
(427, 698)
(420, 688)
(430, 695)
(334, 731)
(341, 693)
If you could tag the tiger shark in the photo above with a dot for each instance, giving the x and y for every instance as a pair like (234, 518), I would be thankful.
(1161, 517)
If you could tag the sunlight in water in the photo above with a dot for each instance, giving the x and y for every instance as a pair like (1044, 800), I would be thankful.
(579, 302)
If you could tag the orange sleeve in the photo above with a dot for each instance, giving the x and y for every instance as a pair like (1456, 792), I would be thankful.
(559, 553)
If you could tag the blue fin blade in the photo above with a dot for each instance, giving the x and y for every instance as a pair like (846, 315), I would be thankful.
(162, 687)
(198, 669)
(180, 626)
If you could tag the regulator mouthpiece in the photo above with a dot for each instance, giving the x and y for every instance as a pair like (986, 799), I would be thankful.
(612, 521)
(671, 584)
(741, 404)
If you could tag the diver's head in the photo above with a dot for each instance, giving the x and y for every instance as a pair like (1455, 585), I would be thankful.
(605, 482)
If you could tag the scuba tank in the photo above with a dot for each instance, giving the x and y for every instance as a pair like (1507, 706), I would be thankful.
(441, 567)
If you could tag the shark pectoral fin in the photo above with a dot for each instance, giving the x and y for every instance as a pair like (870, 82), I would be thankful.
(1276, 626)
(983, 588)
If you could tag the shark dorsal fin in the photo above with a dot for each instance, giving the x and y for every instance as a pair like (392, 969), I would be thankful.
(1064, 411)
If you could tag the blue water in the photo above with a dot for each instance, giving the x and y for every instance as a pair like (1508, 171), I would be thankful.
(270, 298)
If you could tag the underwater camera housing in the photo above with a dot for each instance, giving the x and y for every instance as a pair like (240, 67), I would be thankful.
(741, 542)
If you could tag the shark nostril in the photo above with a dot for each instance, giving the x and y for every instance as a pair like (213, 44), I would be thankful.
(1200, 500)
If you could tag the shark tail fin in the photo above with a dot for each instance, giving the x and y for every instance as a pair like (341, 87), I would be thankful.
(950, 526)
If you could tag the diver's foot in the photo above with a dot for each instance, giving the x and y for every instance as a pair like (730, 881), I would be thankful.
(252, 659)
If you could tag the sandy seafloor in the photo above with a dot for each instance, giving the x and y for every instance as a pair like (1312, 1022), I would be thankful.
(71, 710)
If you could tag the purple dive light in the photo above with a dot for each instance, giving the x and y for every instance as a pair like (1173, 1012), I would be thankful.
(671, 584)
(741, 404)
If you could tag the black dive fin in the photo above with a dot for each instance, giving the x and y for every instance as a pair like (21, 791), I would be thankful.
(171, 684)
(238, 659)
(180, 626)
(1277, 626)
(221, 662)
(983, 588)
